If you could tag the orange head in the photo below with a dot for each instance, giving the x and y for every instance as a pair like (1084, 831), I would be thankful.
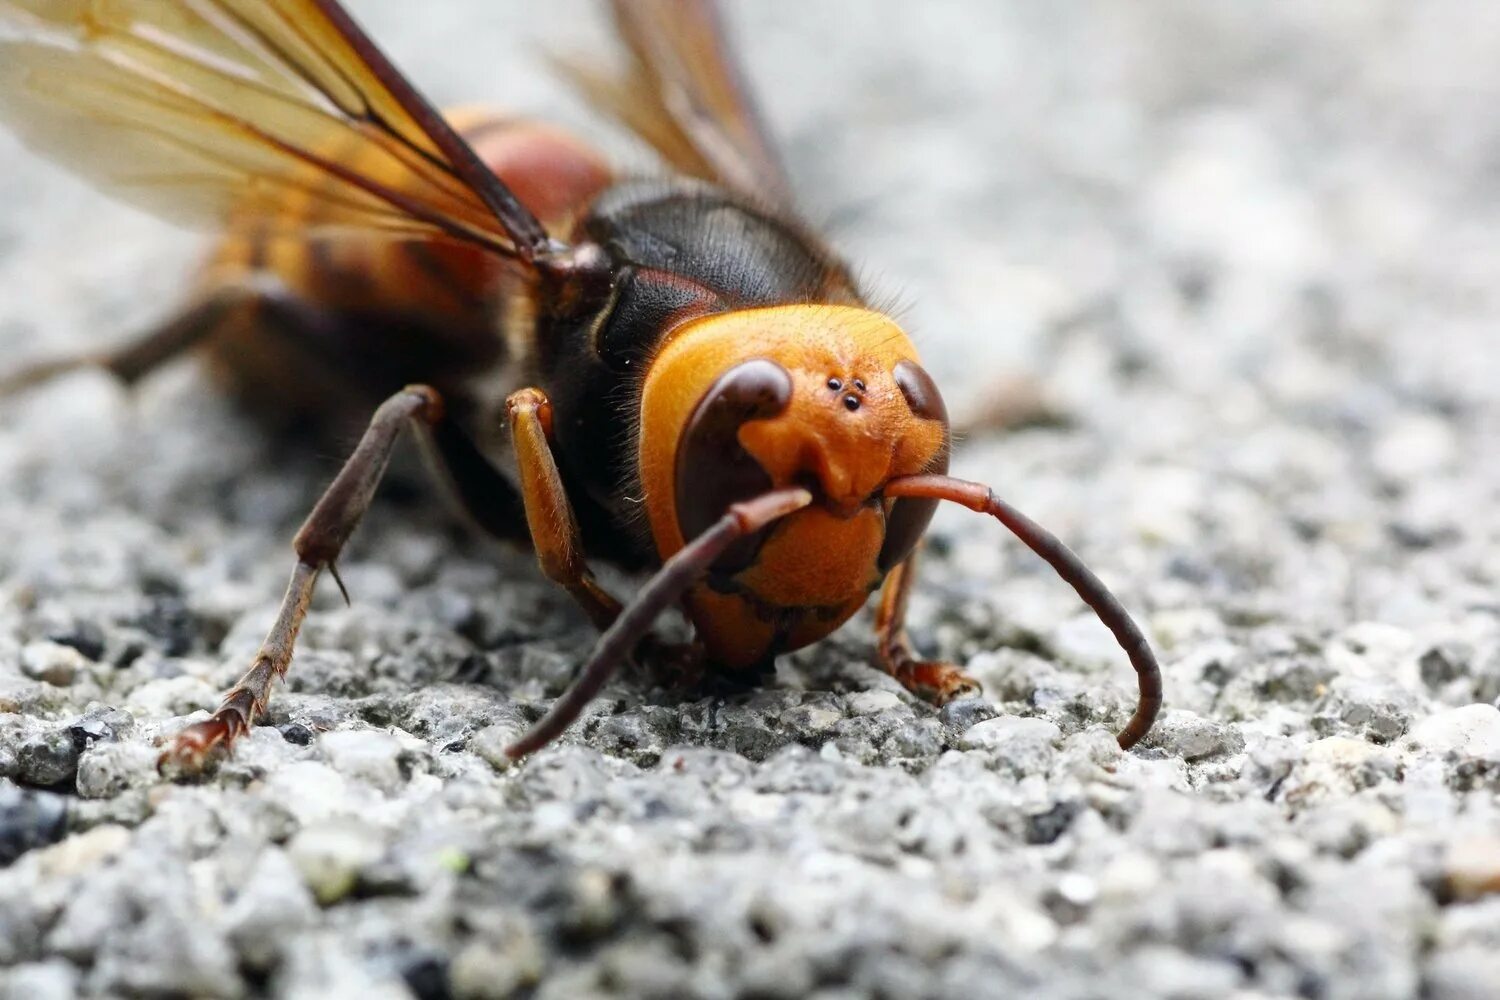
(832, 398)
(789, 458)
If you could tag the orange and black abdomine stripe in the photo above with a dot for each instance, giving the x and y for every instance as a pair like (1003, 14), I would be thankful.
(386, 311)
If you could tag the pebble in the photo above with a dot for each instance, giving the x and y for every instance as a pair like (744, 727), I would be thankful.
(872, 702)
(29, 819)
(1413, 446)
(86, 851)
(495, 970)
(50, 980)
(48, 758)
(52, 662)
(1023, 745)
(1337, 766)
(364, 755)
(271, 907)
(1193, 737)
(1471, 731)
(1472, 867)
(110, 769)
(1381, 710)
(959, 716)
(330, 856)
(491, 741)
(1462, 974)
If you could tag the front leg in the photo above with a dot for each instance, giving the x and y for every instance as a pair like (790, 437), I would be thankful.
(559, 543)
(931, 681)
(318, 545)
(549, 512)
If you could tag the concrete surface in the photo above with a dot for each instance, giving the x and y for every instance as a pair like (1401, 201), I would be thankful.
(1249, 254)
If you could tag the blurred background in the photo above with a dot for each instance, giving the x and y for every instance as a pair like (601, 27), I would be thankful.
(1243, 258)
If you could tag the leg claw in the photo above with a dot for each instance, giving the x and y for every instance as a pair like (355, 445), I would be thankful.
(190, 750)
(938, 683)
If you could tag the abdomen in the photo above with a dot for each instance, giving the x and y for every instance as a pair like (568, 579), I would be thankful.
(371, 314)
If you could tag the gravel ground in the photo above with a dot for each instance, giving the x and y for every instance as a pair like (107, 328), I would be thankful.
(1247, 255)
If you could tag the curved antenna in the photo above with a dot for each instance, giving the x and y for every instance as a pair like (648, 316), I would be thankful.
(980, 498)
(679, 573)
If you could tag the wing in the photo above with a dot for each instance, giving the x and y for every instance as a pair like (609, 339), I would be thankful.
(282, 111)
(684, 95)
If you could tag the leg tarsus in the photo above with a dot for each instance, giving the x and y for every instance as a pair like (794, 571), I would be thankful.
(929, 680)
(934, 681)
(190, 749)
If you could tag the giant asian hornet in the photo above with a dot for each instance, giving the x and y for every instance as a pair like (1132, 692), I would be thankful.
(671, 375)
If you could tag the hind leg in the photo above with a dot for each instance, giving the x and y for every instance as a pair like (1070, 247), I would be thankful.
(208, 314)
(317, 546)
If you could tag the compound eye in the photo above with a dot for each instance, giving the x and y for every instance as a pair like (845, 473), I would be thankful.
(921, 391)
(713, 468)
(909, 516)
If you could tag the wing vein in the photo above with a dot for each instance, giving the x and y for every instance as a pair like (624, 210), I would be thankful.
(280, 111)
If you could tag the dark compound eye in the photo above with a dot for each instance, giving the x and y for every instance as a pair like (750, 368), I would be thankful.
(713, 468)
(921, 393)
(835, 384)
(908, 516)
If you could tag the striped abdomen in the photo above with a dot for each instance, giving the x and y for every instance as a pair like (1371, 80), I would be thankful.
(373, 313)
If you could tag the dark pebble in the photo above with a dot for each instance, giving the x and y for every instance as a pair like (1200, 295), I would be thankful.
(99, 725)
(48, 759)
(297, 733)
(961, 715)
(28, 820)
(427, 976)
(86, 637)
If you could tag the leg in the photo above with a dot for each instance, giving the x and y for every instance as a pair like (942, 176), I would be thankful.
(317, 545)
(549, 514)
(194, 324)
(664, 589)
(479, 490)
(938, 683)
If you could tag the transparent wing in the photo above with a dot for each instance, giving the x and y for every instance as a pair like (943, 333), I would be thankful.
(684, 95)
(210, 111)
